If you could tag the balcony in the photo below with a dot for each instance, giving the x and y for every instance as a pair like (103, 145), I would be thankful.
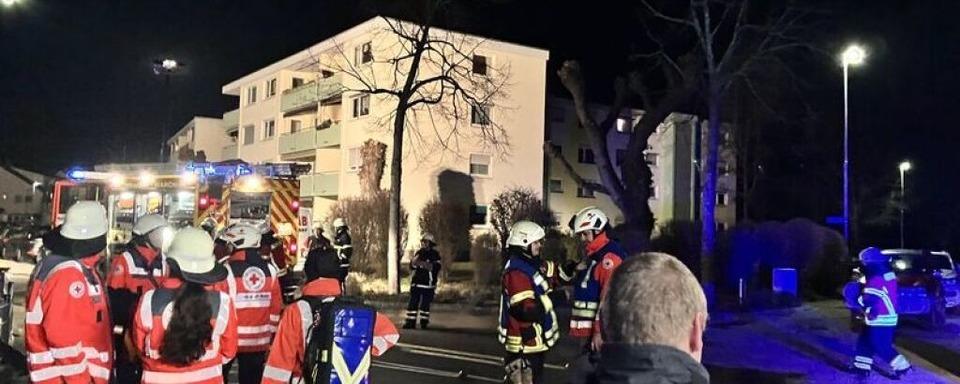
(320, 184)
(231, 119)
(308, 95)
(310, 139)
(229, 152)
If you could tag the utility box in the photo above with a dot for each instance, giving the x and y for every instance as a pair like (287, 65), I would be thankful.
(785, 281)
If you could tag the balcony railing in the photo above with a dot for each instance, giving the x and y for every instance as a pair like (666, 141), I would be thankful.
(320, 184)
(310, 139)
(308, 95)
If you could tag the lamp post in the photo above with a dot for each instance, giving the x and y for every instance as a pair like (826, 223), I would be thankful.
(851, 56)
(166, 67)
(903, 167)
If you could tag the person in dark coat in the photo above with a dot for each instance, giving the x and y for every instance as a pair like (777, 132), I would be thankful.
(653, 316)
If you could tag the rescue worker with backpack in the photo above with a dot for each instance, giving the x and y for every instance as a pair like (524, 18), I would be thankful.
(425, 267)
(528, 325)
(186, 330)
(65, 287)
(139, 268)
(304, 350)
(343, 244)
(603, 256)
(879, 301)
(254, 286)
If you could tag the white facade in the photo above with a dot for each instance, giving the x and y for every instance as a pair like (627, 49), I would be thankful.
(22, 193)
(200, 134)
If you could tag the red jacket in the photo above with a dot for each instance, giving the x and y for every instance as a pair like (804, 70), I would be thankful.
(149, 328)
(879, 299)
(255, 290)
(590, 285)
(286, 355)
(68, 329)
(129, 277)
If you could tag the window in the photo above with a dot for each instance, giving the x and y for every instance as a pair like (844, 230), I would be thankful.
(478, 214)
(252, 95)
(721, 226)
(651, 158)
(585, 156)
(585, 192)
(295, 126)
(624, 125)
(297, 82)
(354, 160)
(653, 190)
(556, 186)
(269, 129)
(558, 148)
(480, 114)
(248, 134)
(18, 199)
(480, 165)
(621, 156)
(363, 53)
(361, 106)
(723, 168)
(271, 87)
(480, 65)
(28, 199)
(723, 199)
(557, 114)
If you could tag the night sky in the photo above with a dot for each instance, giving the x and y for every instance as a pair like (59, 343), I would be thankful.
(79, 87)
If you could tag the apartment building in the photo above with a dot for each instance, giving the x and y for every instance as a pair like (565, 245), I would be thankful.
(200, 134)
(674, 154)
(307, 108)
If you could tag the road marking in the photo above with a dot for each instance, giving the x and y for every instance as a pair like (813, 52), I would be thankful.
(462, 355)
(433, 372)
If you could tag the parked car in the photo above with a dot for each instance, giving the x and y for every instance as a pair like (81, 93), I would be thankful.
(926, 285)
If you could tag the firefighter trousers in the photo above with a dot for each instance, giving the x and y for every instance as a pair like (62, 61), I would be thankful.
(526, 368)
(878, 341)
(420, 299)
(249, 366)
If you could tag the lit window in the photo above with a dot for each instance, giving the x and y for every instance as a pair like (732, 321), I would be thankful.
(480, 114)
(624, 125)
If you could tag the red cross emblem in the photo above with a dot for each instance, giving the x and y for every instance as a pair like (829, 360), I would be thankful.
(254, 279)
(76, 289)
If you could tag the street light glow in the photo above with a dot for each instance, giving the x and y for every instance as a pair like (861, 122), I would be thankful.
(905, 166)
(853, 55)
(9, 3)
(169, 64)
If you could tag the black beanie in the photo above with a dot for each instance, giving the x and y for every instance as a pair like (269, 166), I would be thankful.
(322, 262)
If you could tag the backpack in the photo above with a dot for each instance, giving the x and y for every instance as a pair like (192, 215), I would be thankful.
(339, 340)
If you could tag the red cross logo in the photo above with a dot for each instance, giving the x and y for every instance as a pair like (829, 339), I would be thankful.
(254, 279)
(76, 289)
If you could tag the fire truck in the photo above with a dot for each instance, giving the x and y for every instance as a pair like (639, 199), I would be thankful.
(208, 195)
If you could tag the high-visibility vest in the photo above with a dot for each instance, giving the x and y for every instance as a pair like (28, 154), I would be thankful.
(546, 330)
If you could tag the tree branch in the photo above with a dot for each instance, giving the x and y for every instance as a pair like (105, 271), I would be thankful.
(552, 151)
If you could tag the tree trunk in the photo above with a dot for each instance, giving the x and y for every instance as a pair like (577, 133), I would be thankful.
(396, 171)
(708, 200)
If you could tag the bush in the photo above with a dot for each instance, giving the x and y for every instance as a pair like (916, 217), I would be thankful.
(368, 217)
(485, 253)
(518, 204)
(680, 238)
(449, 222)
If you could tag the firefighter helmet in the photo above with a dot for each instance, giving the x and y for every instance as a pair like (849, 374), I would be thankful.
(84, 220)
(589, 218)
(192, 251)
(148, 223)
(427, 236)
(524, 233)
(243, 236)
(339, 222)
(873, 255)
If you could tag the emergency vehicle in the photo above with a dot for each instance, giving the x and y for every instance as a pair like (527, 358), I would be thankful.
(209, 195)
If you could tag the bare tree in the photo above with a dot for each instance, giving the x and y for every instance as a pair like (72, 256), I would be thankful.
(437, 92)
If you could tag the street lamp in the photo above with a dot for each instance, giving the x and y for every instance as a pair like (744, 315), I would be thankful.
(166, 67)
(903, 167)
(9, 3)
(852, 56)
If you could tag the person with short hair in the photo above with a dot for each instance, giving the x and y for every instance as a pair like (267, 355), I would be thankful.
(654, 316)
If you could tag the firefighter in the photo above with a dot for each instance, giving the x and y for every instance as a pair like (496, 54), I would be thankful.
(425, 266)
(318, 240)
(67, 327)
(286, 359)
(344, 246)
(528, 324)
(186, 329)
(603, 256)
(879, 301)
(139, 268)
(255, 290)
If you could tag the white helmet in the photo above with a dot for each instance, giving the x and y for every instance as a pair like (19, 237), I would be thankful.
(192, 249)
(242, 236)
(339, 222)
(148, 223)
(589, 218)
(84, 220)
(524, 233)
(427, 236)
